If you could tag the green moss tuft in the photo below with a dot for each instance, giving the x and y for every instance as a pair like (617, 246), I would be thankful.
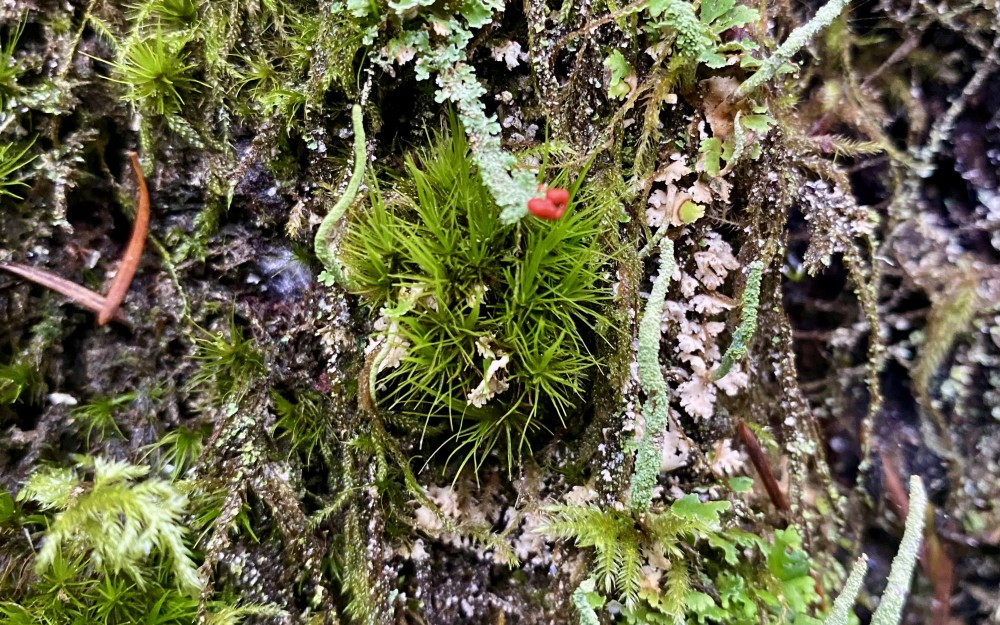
(485, 326)
(19, 382)
(155, 69)
(10, 68)
(12, 158)
(230, 364)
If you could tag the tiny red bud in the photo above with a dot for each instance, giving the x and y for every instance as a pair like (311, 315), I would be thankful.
(543, 208)
(558, 196)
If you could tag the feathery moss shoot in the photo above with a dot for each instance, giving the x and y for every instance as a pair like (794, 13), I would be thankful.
(485, 330)
(156, 72)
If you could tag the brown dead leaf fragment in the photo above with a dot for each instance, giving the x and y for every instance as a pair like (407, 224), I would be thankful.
(719, 112)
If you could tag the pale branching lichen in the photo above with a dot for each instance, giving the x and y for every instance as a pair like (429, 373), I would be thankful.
(890, 608)
(655, 410)
(510, 186)
(445, 56)
(799, 38)
(737, 350)
(842, 606)
(581, 601)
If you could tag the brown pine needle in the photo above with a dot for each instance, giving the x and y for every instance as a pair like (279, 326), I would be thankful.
(133, 252)
(106, 307)
(75, 293)
(760, 463)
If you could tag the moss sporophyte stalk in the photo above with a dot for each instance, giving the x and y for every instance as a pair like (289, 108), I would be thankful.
(484, 330)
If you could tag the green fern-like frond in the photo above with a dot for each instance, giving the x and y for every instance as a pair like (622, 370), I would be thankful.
(621, 538)
(614, 537)
(117, 517)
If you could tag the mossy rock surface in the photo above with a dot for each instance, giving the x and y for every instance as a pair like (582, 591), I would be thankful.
(309, 482)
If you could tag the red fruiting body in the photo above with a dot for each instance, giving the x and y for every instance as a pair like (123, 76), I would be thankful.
(558, 196)
(543, 208)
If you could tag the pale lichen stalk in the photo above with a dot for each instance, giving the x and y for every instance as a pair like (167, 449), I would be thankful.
(737, 350)
(795, 42)
(655, 410)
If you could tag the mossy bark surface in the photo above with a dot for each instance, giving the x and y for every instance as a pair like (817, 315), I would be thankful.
(857, 189)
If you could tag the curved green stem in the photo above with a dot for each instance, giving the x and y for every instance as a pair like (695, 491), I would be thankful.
(322, 244)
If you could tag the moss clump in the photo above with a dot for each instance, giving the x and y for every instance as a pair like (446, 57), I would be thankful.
(486, 327)
(115, 548)
(157, 72)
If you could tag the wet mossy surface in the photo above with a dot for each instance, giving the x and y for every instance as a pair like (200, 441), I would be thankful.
(869, 197)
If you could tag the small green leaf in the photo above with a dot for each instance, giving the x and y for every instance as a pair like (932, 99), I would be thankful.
(786, 559)
(728, 548)
(691, 212)
(758, 123)
(704, 607)
(478, 13)
(712, 59)
(741, 484)
(620, 70)
(692, 508)
(711, 150)
(657, 7)
(712, 10)
(728, 147)
(740, 15)
(407, 6)
(360, 8)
